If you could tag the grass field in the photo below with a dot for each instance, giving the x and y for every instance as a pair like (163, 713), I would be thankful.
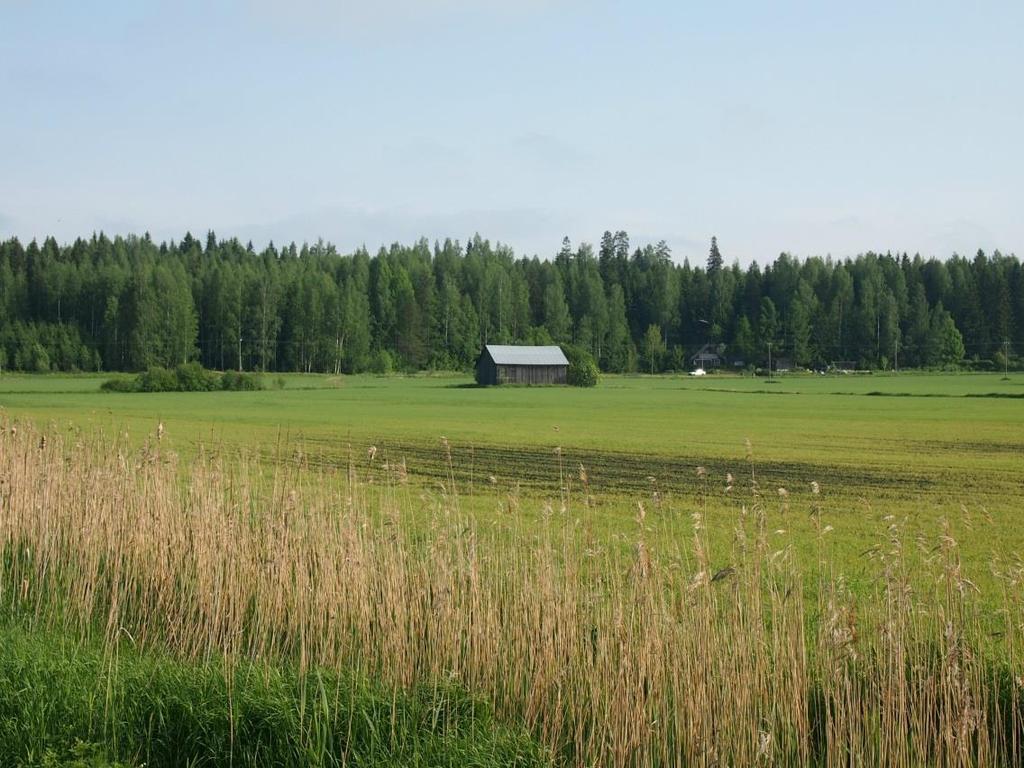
(905, 433)
(608, 576)
(920, 445)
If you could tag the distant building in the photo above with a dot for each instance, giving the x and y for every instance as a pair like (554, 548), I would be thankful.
(707, 358)
(504, 364)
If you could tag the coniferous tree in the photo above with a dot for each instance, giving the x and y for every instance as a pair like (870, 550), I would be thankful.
(714, 258)
(128, 302)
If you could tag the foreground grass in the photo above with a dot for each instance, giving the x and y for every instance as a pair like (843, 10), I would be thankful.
(660, 650)
(62, 702)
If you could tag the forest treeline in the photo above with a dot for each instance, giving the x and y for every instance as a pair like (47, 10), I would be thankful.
(129, 303)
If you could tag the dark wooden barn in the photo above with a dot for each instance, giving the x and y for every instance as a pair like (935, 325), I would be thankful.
(502, 364)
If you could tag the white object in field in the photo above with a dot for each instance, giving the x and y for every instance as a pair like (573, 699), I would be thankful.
(698, 372)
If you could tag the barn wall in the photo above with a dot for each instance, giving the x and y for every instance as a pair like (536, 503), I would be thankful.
(487, 371)
(531, 374)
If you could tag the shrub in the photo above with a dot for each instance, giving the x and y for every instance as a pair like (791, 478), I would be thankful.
(583, 370)
(383, 362)
(192, 377)
(121, 385)
(188, 377)
(158, 379)
(236, 381)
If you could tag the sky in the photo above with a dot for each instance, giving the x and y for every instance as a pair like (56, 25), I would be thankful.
(806, 127)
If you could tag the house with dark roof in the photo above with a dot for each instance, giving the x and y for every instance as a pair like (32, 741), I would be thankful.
(508, 364)
(707, 358)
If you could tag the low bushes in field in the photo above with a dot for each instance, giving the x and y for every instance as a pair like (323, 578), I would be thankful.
(662, 652)
(188, 377)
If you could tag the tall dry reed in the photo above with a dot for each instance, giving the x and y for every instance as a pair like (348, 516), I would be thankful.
(639, 657)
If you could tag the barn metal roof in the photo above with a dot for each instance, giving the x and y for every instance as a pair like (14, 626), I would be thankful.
(504, 354)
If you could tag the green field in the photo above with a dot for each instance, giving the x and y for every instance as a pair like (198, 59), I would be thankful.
(922, 420)
(927, 437)
(923, 446)
(636, 526)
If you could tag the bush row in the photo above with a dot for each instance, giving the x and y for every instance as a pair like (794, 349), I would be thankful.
(188, 377)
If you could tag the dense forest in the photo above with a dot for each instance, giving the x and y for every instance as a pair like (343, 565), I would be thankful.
(130, 303)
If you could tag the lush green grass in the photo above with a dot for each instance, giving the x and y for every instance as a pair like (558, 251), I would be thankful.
(62, 703)
(929, 446)
(942, 430)
(666, 415)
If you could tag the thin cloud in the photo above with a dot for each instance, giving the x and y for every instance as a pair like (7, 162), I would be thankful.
(352, 18)
(547, 151)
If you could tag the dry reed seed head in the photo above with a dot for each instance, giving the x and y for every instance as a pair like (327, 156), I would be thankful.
(160, 431)
(700, 579)
(764, 746)
(749, 448)
(701, 473)
(641, 513)
(558, 450)
(492, 480)
(643, 560)
(583, 474)
(371, 452)
(815, 488)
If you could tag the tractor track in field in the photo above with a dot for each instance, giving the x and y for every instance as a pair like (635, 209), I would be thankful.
(609, 472)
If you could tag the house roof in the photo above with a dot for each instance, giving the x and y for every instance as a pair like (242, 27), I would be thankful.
(707, 352)
(503, 354)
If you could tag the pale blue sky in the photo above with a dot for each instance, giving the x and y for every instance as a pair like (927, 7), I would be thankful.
(809, 127)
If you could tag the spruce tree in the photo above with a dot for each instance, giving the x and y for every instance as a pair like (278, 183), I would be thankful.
(714, 259)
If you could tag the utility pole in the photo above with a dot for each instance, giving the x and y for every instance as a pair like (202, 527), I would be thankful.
(897, 352)
(1006, 358)
(769, 361)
